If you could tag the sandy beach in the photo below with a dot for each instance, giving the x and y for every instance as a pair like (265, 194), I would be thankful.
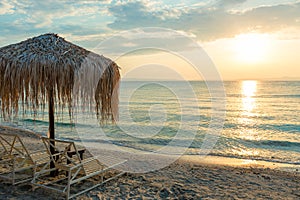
(150, 100)
(187, 178)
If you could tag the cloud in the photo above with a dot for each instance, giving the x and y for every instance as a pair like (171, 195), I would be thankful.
(27, 18)
(6, 7)
(131, 15)
(45, 13)
(90, 19)
(226, 3)
(144, 41)
(42, 13)
(208, 23)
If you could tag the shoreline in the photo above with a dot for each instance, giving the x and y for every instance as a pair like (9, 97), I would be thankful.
(240, 162)
(189, 177)
(192, 158)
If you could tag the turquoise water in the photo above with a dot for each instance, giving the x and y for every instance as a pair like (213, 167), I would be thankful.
(262, 120)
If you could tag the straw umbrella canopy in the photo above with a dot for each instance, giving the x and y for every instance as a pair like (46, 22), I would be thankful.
(48, 70)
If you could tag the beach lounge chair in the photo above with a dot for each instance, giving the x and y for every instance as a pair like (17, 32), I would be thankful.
(17, 164)
(73, 170)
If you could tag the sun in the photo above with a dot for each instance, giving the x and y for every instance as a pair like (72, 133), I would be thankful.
(251, 48)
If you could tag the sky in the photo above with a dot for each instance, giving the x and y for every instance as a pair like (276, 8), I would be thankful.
(241, 39)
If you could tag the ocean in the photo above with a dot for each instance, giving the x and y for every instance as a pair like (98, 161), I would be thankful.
(259, 120)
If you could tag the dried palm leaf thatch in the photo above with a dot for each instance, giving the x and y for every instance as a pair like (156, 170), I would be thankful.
(48, 66)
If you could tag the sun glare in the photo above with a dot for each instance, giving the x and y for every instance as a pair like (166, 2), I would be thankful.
(249, 88)
(248, 91)
(251, 48)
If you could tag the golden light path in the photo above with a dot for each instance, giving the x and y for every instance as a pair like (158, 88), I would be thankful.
(248, 104)
(248, 91)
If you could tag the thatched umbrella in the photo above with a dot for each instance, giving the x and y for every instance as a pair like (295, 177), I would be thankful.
(44, 69)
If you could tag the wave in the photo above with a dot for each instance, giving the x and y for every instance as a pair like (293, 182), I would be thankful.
(238, 95)
(272, 146)
(273, 159)
(44, 122)
(135, 146)
(275, 143)
(279, 96)
(291, 128)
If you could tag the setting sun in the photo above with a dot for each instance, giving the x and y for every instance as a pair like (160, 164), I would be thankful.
(251, 48)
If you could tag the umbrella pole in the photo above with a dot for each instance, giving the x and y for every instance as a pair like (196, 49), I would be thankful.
(51, 131)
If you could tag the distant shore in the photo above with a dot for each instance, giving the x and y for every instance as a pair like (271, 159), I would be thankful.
(187, 178)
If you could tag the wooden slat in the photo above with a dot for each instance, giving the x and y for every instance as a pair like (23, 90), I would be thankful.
(92, 166)
(40, 158)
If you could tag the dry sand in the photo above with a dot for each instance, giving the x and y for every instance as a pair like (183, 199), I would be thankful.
(187, 178)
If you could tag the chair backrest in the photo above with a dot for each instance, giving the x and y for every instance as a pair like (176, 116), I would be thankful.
(60, 151)
(12, 145)
(4, 148)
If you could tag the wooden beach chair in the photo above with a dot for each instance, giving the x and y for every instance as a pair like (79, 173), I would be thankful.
(73, 170)
(17, 164)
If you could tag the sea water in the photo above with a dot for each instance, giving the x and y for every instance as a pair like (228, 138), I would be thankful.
(261, 120)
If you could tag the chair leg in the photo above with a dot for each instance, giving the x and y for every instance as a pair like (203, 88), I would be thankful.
(13, 173)
(33, 179)
(69, 185)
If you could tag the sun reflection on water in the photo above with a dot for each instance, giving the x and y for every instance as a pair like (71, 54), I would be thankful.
(248, 103)
(248, 91)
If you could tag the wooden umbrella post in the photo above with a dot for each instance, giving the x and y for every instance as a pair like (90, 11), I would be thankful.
(51, 131)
